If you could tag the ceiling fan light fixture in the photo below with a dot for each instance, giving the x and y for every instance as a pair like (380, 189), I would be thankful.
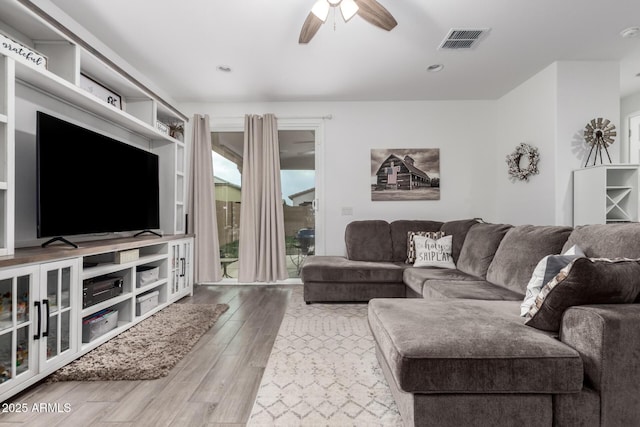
(630, 32)
(348, 8)
(321, 9)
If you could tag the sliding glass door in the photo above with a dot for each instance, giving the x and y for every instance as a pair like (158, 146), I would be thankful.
(298, 178)
(299, 198)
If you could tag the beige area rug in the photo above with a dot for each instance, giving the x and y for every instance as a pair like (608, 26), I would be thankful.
(323, 371)
(149, 349)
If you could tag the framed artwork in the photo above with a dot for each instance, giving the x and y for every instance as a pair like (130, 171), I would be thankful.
(100, 91)
(405, 174)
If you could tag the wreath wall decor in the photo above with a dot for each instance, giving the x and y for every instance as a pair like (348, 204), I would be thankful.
(523, 151)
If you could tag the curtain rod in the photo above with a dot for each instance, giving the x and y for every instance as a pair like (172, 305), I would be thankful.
(325, 117)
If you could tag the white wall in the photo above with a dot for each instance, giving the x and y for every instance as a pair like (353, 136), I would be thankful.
(526, 114)
(548, 111)
(628, 105)
(458, 128)
(586, 90)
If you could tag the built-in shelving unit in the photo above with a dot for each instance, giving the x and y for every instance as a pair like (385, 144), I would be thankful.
(7, 154)
(69, 57)
(35, 281)
(605, 194)
(43, 305)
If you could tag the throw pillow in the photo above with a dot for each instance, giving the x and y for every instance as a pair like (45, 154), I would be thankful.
(433, 253)
(411, 246)
(546, 270)
(585, 281)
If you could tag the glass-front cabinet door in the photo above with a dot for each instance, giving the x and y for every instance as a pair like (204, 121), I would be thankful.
(58, 295)
(176, 269)
(19, 301)
(187, 271)
(181, 274)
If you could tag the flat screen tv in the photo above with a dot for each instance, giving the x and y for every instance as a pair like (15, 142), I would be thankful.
(89, 183)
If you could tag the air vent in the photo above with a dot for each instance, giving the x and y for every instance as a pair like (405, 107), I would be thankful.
(463, 38)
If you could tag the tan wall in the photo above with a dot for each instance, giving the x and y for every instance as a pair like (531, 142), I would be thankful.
(228, 193)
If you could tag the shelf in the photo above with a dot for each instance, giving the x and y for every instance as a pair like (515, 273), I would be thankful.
(151, 312)
(105, 304)
(3, 185)
(4, 118)
(111, 267)
(122, 326)
(104, 269)
(58, 87)
(150, 286)
(605, 194)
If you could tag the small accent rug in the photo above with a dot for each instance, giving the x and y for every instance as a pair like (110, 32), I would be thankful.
(323, 371)
(147, 350)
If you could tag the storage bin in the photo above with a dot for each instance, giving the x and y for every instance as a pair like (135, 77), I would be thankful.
(123, 257)
(146, 302)
(99, 324)
(146, 274)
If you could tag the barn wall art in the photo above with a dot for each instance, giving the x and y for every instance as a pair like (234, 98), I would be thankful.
(405, 174)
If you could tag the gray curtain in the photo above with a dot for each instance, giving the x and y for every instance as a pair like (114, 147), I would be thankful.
(202, 208)
(262, 245)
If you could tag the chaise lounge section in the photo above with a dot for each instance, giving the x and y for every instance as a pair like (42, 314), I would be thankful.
(456, 351)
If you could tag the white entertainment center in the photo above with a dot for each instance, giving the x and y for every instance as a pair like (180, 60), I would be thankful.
(44, 305)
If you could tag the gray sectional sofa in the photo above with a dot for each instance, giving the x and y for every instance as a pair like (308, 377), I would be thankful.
(452, 344)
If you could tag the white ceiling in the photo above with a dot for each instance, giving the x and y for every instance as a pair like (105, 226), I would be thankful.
(178, 45)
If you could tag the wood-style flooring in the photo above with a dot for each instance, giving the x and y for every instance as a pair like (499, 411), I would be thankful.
(214, 385)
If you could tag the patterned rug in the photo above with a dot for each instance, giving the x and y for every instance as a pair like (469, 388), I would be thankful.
(323, 371)
(148, 350)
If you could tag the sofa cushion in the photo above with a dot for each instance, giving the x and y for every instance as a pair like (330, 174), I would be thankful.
(607, 240)
(585, 281)
(468, 346)
(467, 289)
(520, 251)
(318, 268)
(368, 240)
(479, 247)
(458, 229)
(411, 243)
(399, 230)
(414, 277)
(433, 253)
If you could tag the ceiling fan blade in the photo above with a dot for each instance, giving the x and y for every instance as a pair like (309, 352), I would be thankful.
(309, 28)
(374, 13)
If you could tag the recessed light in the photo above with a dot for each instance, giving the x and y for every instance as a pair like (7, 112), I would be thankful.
(224, 68)
(435, 68)
(630, 32)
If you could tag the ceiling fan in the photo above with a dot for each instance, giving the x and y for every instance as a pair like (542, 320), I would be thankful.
(369, 10)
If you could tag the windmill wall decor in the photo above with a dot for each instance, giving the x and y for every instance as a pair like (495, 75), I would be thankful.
(599, 135)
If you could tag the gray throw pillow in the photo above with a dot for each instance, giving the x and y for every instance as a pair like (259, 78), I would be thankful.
(585, 281)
